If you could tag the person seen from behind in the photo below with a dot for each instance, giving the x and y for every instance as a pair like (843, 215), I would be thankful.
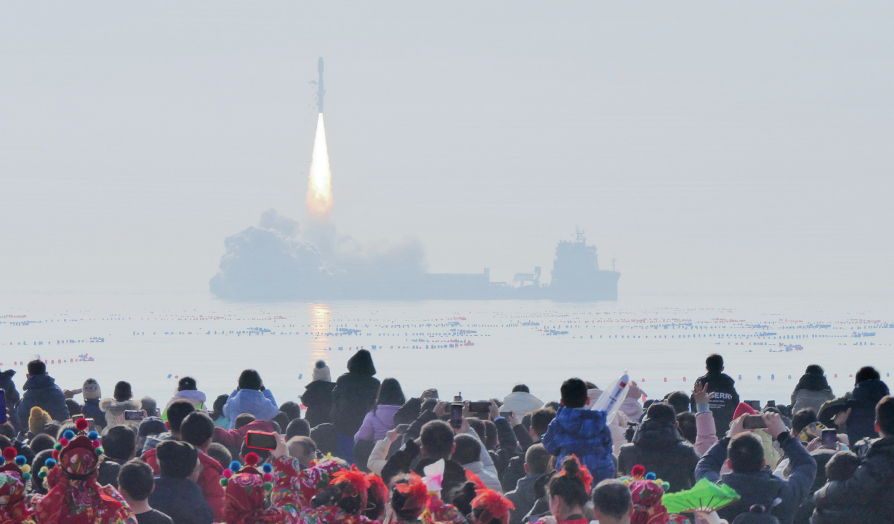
(250, 396)
(135, 484)
(352, 398)
(380, 418)
(41, 391)
(121, 401)
(612, 502)
(812, 390)
(317, 397)
(724, 398)
(524, 495)
(176, 493)
(186, 390)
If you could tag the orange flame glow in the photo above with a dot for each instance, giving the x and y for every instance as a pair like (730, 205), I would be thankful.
(319, 190)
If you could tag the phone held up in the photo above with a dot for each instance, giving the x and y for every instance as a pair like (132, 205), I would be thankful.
(133, 415)
(830, 438)
(456, 412)
(260, 440)
(754, 422)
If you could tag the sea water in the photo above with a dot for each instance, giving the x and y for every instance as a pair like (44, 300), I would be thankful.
(478, 348)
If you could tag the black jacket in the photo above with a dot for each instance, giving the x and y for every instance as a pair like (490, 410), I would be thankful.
(9, 387)
(762, 487)
(861, 422)
(523, 498)
(408, 459)
(42, 391)
(354, 394)
(182, 500)
(724, 402)
(507, 448)
(317, 398)
(514, 472)
(661, 449)
(866, 497)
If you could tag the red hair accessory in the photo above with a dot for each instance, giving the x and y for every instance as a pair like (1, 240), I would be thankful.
(377, 488)
(415, 492)
(492, 506)
(583, 474)
(356, 478)
(475, 479)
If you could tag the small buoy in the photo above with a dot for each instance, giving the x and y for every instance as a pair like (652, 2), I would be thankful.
(836, 375)
(684, 379)
(758, 377)
(169, 375)
(740, 377)
(789, 376)
(665, 379)
(176, 376)
(772, 377)
(300, 375)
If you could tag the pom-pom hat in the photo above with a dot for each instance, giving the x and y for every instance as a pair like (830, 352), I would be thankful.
(14, 474)
(246, 489)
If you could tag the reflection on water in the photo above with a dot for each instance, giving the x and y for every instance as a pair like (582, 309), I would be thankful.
(320, 326)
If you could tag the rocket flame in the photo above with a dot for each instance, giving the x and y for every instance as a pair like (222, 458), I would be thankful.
(319, 191)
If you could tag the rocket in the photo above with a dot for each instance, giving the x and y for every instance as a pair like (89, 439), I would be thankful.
(320, 89)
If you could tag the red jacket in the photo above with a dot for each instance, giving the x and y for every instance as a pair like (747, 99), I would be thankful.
(208, 481)
(233, 438)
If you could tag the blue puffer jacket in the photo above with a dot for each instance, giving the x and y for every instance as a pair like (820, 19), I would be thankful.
(582, 432)
(861, 422)
(261, 404)
(42, 391)
(91, 410)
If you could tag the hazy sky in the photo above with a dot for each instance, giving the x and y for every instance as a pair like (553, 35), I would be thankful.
(713, 148)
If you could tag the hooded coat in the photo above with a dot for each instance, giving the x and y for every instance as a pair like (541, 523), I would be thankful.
(523, 497)
(42, 391)
(761, 487)
(208, 481)
(317, 398)
(196, 398)
(812, 391)
(261, 404)
(8, 386)
(114, 411)
(582, 432)
(520, 403)
(354, 393)
(864, 498)
(861, 422)
(661, 449)
(724, 401)
(376, 423)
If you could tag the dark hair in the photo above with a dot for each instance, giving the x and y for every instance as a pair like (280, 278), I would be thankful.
(478, 426)
(52, 429)
(520, 387)
(119, 442)
(612, 497)
(537, 459)
(574, 393)
(218, 406)
(803, 418)
(540, 420)
(437, 439)
(325, 436)
(40, 460)
(688, 427)
(280, 419)
(250, 379)
(662, 412)
(467, 449)
(122, 391)
(41, 442)
(390, 394)
(815, 369)
(177, 411)
(884, 415)
(8, 430)
(220, 453)
(297, 428)
(136, 478)
(36, 367)
(553, 405)
(714, 363)
(149, 405)
(291, 409)
(305, 442)
(490, 432)
(569, 487)
(745, 453)
(186, 384)
(197, 428)
(276, 428)
(243, 420)
(866, 373)
(679, 400)
(73, 407)
(398, 500)
(842, 465)
(245, 450)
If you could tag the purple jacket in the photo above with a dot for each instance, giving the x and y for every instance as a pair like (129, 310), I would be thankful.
(376, 423)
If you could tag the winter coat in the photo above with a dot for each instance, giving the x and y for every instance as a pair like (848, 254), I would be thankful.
(490, 480)
(523, 497)
(114, 411)
(376, 423)
(661, 449)
(378, 457)
(42, 391)
(807, 398)
(821, 456)
(233, 438)
(9, 387)
(108, 473)
(182, 500)
(208, 481)
(520, 403)
(196, 398)
(724, 401)
(867, 496)
(861, 422)
(317, 398)
(581, 432)
(354, 393)
(762, 487)
(91, 409)
(513, 473)
(706, 432)
(261, 404)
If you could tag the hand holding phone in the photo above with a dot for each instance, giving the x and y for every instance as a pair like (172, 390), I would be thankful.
(830, 439)
(133, 415)
(754, 422)
(261, 440)
(456, 415)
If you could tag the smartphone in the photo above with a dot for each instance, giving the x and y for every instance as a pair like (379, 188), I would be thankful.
(755, 404)
(402, 428)
(90, 425)
(2, 406)
(771, 403)
(74, 418)
(479, 407)
(133, 415)
(456, 412)
(754, 422)
(830, 438)
(260, 440)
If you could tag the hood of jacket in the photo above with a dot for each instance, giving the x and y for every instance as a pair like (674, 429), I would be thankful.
(39, 382)
(319, 387)
(718, 381)
(868, 391)
(580, 423)
(384, 414)
(362, 363)
(521, 403)
(754, 488)
(656, 435)
(813, 382)
(526, 488)
(196, 397)
(110, 405)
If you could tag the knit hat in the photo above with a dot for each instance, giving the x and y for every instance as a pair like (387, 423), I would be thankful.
(176, 459)
(186, 383)
(91, 389)
(743, 409)
(321, 372)
(152, 426)
(38, 419)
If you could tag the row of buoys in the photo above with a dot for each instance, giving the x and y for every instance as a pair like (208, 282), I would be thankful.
(772, 377)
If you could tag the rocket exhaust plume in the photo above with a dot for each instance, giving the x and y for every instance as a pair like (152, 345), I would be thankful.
(319, 191)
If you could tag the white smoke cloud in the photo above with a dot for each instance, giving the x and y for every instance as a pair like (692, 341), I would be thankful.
(288, 226)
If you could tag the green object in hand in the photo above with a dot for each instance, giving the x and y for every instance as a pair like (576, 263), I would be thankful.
(705, 497)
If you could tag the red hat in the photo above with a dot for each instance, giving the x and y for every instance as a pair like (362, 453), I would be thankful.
(743, 409)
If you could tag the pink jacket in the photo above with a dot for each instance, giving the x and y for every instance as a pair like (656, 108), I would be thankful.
(706, 432)
(376, 423)
(233, 438)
